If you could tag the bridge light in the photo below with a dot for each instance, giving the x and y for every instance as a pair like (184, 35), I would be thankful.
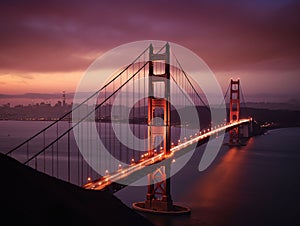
(106, 172)
(120, 166)
(132, 160)
(89, 179)
(173, 160)
(178, 141)
(100, 183)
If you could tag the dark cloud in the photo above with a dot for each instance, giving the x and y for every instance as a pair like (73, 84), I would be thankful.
(42, 36)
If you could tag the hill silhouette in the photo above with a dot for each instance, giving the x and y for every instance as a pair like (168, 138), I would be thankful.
(29, 197)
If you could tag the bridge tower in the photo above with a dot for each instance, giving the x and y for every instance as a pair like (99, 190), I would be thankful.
(234, 110)
(158, 195)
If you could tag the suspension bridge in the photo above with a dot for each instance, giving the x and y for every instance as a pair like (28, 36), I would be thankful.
(162, 135)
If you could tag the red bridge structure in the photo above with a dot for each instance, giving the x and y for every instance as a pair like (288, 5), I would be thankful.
(54, 151)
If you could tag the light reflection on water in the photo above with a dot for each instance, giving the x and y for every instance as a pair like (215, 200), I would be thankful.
(212, 197)
(257, 184)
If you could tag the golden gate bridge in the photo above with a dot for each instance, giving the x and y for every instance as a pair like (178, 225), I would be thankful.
(152, 119)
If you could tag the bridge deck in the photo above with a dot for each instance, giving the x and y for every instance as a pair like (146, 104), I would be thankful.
(107, 180)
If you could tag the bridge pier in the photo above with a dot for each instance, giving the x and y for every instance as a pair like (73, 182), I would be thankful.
(159, 184)
(243, 135)
(245, 131)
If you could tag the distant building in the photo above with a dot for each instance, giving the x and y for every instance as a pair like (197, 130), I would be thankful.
(64, 98)
(58, 104)
(6, 105)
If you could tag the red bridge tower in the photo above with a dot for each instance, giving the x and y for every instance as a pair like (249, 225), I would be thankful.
(234, 110)
(158, 195)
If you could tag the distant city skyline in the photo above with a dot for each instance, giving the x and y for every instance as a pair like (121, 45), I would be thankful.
(54, 98)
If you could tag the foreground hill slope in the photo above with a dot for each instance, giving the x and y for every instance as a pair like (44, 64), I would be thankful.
(33, 198)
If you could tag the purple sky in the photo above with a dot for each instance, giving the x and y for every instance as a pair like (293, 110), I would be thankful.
(47, 45)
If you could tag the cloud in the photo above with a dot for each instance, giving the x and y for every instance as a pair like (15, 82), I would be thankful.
(53, 35)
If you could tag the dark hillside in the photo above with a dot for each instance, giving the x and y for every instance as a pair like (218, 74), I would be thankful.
(29, 197)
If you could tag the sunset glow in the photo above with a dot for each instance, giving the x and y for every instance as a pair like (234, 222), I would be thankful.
(47, 46)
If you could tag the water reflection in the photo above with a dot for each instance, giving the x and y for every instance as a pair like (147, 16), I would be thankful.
(216, 193)
(213, 196)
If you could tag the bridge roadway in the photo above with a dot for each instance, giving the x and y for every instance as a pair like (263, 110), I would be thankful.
(107, 180)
